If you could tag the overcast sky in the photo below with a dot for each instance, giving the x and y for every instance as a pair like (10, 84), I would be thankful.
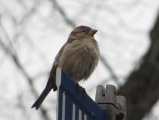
(35, 31)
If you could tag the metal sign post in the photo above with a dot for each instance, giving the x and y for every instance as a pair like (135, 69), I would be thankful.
(113, 105)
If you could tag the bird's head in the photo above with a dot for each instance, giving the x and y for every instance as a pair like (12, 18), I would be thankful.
(81, 32)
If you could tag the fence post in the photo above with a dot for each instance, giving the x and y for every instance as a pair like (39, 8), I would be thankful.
(113, 105)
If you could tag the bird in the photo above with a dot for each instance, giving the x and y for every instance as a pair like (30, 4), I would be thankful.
(78, 58)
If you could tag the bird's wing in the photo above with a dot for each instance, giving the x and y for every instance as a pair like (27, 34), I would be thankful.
(51, 81)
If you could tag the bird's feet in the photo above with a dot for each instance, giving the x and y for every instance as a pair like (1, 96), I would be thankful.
(79, 88)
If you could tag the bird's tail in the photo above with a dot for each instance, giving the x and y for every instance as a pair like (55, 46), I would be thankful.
(41, 98)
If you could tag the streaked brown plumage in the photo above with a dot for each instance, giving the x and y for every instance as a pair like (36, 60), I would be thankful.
(78, 58)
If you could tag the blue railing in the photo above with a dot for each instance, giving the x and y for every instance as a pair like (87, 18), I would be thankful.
(73, 103)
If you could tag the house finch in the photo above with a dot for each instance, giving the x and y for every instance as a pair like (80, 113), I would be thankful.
(78, 58)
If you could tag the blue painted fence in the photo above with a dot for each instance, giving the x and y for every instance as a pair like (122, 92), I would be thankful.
(72, 105)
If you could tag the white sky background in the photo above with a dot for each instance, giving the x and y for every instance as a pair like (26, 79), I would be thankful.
(36, 31)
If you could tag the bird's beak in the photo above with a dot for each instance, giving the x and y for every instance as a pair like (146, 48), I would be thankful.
(92, 31)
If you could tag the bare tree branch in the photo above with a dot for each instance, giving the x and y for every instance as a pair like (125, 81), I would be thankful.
(142, 87)
(66, 19)
(11, 52)
(113, 75)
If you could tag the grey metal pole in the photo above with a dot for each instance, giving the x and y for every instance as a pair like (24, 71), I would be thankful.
(113, 105)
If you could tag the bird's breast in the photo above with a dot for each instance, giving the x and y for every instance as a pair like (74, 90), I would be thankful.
(79, 59)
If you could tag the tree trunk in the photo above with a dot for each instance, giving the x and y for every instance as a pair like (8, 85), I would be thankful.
(142, 87)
